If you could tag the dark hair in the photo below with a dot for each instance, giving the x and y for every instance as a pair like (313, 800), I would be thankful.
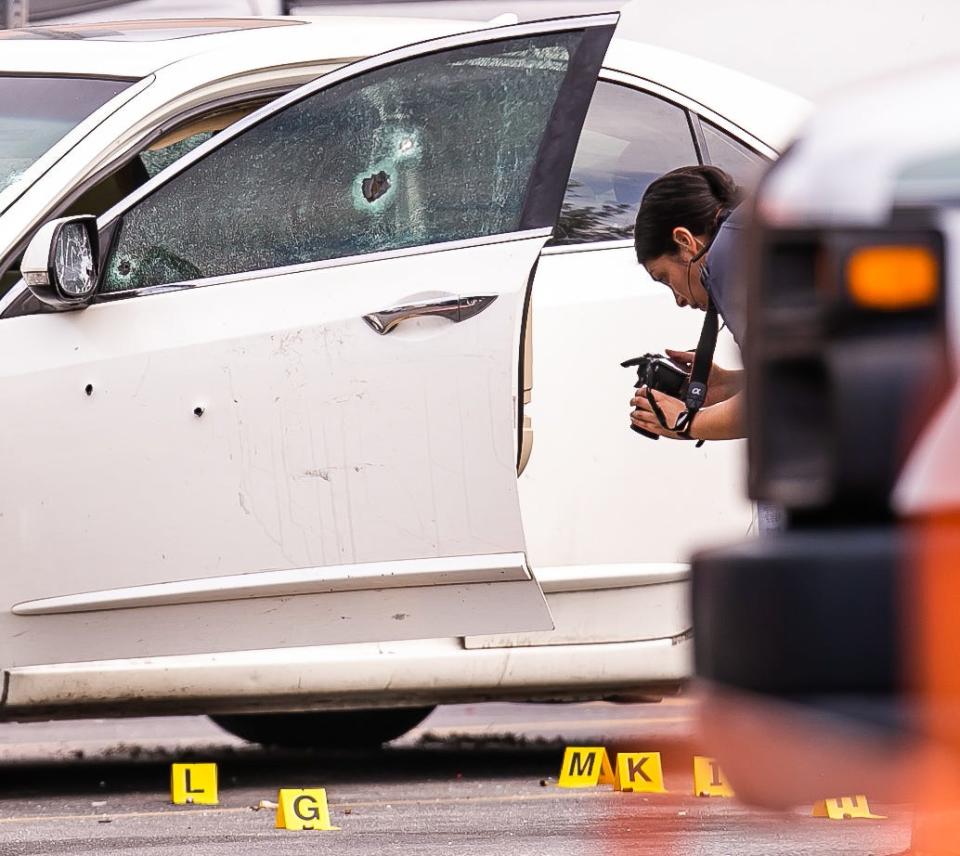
(696, 197)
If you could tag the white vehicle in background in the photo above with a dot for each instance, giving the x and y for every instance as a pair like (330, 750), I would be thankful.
(284, 458)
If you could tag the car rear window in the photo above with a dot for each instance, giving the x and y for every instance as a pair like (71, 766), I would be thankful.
(37, 112)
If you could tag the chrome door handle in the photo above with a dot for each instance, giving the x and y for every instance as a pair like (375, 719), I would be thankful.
(454, 309)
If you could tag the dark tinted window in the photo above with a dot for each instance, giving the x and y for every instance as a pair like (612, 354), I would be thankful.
(37, 112)
(629, 139)
(743, 163)
(434, 149)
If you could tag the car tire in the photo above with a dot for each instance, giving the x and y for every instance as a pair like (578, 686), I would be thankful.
(346, 729)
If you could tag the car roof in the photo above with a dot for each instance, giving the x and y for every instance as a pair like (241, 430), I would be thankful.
(130, 49)
(766, 111)
(149, 30)
(136, 49)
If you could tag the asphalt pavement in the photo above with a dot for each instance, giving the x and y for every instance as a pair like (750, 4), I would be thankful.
(473, 779)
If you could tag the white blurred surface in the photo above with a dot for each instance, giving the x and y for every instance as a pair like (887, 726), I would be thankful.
(809, 46)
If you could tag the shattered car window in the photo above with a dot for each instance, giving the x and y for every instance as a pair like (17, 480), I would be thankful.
(156, 161)
(437, 148)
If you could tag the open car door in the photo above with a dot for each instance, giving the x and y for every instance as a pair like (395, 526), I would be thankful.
(290, 415)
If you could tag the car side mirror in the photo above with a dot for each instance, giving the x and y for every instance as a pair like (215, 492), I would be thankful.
(61, 265)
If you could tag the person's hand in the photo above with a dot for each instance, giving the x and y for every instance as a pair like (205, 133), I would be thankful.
(721, 384)
(644, 417)
(718, 374)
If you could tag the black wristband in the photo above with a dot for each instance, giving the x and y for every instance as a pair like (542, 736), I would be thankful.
(684, 422)
(684, 425)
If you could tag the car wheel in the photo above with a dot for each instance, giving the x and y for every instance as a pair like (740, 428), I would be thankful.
(347, 729)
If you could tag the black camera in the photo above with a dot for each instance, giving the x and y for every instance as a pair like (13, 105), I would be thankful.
(661, 373)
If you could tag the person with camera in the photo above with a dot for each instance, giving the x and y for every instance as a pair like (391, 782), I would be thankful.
(685, 234)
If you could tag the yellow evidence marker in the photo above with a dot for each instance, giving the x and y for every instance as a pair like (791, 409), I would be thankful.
(708, 779)
(303, 808)
(845, 808)
(585, 767)
(193, 784)
(640, 772)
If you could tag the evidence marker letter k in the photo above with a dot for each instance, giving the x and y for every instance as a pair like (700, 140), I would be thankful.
(635, 768)
(640, 772)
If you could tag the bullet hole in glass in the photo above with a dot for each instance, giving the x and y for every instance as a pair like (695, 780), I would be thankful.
(88, 389)
(198, 411)
(454, 134)
(375, 186)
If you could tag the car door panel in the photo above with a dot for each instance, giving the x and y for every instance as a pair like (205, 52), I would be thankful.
(250, 464)
(284, 430)
(633, 500)
(660, 500)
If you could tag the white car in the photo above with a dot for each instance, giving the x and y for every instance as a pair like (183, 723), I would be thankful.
(284, 458)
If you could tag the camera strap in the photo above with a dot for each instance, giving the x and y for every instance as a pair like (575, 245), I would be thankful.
(699, 374)
(696, 395)
(702, 363)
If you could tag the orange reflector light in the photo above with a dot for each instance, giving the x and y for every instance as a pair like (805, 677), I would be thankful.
(893, 277)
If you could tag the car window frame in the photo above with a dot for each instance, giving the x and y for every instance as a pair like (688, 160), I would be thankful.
(693, 126)
(110, 221)
(695, 112)
(169, 123)
(50, 158)
(737, 138)
(61, 204)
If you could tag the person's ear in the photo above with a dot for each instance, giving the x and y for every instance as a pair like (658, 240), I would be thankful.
(685, 241)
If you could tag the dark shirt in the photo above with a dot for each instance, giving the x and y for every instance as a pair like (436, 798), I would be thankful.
(721, 276)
